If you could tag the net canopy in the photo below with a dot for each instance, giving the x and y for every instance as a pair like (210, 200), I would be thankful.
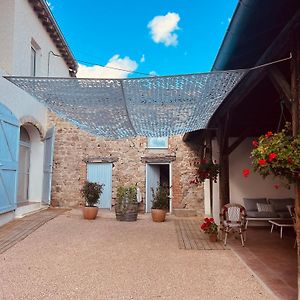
(121, 108)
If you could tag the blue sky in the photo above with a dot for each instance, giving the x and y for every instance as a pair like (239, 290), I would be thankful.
(159, 36)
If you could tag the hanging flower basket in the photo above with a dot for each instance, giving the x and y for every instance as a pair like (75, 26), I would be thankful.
(278, 154)
(206, 170)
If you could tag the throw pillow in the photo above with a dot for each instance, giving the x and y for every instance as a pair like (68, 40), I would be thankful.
(265, 207)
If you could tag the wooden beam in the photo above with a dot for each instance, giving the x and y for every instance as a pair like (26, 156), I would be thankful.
(238, 141)
(282, 86)
(295, 91)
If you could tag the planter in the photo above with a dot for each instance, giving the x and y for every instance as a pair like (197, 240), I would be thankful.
(213, 237)
(129, 214)
(158, 215)
(90, 212)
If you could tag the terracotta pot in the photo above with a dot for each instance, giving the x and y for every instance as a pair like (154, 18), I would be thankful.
(90, 212)
(158, 215)
(213, 237)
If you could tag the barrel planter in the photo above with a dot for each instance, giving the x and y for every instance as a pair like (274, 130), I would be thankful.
(128, 213)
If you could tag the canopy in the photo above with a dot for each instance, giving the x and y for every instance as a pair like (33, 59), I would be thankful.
(121, 108)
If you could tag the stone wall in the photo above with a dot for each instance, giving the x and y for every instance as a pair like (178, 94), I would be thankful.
(73, 147)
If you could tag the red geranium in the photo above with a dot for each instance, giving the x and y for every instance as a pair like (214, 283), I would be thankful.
(209, 226)
(268, 134)
(246, 172)
(262, 162)
(272, 156)
(254, 143)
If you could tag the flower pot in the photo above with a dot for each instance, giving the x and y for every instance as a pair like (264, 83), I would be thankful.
(158, 215)
(90, 212)
(213, 237)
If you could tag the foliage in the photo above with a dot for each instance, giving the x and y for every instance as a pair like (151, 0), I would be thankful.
(209, 226)
(126, 196)
(91, 192)
(160, 197)
(206, 170)
(277, 154)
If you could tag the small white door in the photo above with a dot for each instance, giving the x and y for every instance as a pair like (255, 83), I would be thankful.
(9, 153)
(48, 161)
(102, 173)
(152, 181)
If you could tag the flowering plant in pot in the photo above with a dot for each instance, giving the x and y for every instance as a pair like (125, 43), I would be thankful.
(91, 192)
(278, 154)
(160, 203)
(211, 228)
(206, 169)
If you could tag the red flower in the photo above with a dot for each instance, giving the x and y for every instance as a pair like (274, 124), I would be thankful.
(272, 156)
(276, 186)
(211, 220)
(246, 172)
(206, 220)
(268, 134)
(254, 143)
(290, 160)
(203, 226)
(262, 162)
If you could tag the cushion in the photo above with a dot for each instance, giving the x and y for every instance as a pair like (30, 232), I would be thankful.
(250, 203)
(261, 214)
(280, 204)
(264, 207)
(284, 214)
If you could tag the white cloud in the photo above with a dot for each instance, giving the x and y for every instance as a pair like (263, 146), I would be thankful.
(162, 29)
(142, 58)
(153, 73)
(100, 72)
(49, 4)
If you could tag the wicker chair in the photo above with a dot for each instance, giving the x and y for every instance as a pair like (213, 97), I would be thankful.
(233, 217)
(293, 216)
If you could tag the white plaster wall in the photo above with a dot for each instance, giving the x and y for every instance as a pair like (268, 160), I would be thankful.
(7, 8)
(254, 186)
(19, 25)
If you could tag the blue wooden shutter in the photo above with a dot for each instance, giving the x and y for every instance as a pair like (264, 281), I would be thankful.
(48, 162)
(9, 152)
(152, 181)
(101, 173)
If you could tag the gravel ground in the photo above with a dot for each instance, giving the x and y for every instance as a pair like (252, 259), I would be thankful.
(72, 258)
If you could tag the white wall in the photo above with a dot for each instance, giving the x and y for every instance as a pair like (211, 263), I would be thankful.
(254, 186)
(19, 26)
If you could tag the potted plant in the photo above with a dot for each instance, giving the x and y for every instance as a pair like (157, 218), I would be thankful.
(126, 206)
(211, 228)
(277, 154)
(160, 203)
(206, 169)
(91, 192)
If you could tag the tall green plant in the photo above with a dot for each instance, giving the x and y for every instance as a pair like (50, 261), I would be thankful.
(160, 197)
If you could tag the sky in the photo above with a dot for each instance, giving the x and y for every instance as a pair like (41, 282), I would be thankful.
(157, 37)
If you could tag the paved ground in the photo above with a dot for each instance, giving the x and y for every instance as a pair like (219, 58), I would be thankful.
(71, 258)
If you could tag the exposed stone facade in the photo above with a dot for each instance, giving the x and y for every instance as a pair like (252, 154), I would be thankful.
(73, 147)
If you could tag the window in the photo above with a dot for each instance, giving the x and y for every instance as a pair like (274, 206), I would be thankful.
(33, 62)
(158, 142)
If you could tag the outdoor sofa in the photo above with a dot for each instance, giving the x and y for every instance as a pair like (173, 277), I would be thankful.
(263, 209)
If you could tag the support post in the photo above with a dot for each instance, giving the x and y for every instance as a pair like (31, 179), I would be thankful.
(208, 157)
(295, 92)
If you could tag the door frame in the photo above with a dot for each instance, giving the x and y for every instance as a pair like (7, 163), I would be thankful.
(170, 182)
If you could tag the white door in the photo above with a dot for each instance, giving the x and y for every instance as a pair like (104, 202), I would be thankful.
(48, 162)
(9, 153)
(152, 181)
(102, 173)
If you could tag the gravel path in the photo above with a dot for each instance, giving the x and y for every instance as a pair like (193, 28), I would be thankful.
(71, 258)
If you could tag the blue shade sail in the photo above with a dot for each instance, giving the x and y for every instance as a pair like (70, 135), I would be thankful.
(121, 108)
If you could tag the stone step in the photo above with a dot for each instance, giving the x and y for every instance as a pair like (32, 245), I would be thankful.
(184, 212)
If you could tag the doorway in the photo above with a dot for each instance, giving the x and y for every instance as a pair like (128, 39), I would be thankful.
(157, 174)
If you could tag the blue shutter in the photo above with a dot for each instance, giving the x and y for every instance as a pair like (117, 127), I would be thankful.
(101, 173)
(9, 152)
(152, 181)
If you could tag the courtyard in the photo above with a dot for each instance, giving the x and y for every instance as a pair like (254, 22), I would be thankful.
(72, 258)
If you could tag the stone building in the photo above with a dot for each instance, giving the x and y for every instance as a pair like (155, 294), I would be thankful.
(139, 161)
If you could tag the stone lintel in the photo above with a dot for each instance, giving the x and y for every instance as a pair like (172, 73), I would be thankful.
(109, 159)
(158, 159)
